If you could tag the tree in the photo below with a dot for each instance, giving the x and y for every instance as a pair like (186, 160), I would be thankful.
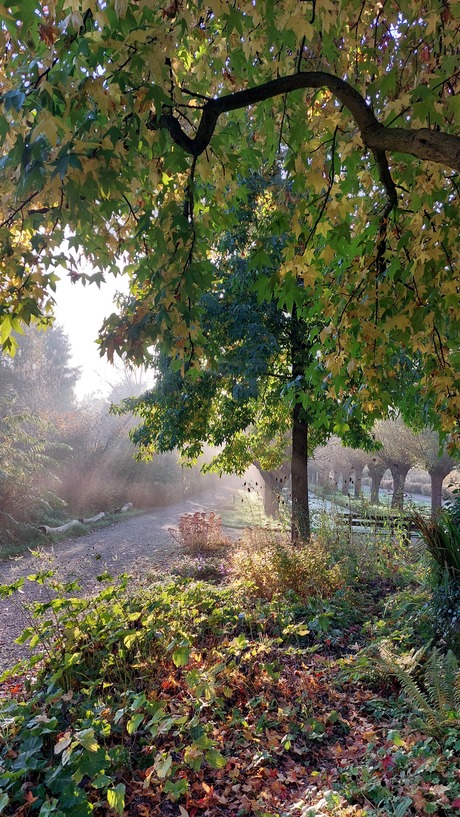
(433, 457)
(125, 125)
(261, 380)
(25, 458)
(40, 375)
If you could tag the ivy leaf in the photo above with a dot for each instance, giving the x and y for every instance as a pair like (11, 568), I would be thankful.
(181, 656)
(86, 738)
(215, 759)
(134, 723)
(63, 743)
(116, 798)
(163, 765)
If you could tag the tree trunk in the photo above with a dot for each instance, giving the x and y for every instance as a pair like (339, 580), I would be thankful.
(271, 499)
(300, 522)
(437, 478)
(376, 472)
(346, 481)
(273, 485)
(358, 481)
(399, 473)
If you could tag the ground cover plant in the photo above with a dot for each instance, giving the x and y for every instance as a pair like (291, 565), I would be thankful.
(186, 698)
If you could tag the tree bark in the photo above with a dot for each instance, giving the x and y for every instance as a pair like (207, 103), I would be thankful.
(376, 471)
(437, 476)
(273, 485)
(399, 473)
(346, 481)
(358, 481)
(424, 143)
(300, 521)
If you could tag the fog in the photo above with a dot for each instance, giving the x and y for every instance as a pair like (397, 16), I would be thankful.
(63, 458)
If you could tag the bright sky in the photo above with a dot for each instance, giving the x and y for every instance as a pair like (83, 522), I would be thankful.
(80, 311)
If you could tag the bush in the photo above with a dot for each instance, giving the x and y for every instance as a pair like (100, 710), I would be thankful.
(272, 566)
(200, 533)
(373, 557)
(446, 615)
(442, 538)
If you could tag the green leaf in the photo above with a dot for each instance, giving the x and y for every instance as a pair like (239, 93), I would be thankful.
(14, 99)
(86, 738)
(181, 656)
(116, 798)
(134, 723)
(163, 765)
(48, 807)
(4, 800)
(215, 759)
(176, 789)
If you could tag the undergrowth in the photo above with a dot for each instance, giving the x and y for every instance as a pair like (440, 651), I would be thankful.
(267, 696)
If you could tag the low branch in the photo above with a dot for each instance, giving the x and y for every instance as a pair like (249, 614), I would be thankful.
(423, 143)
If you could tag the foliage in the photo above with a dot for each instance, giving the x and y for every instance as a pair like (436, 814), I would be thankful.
(255, 359)
(202, 699)
(159, 689)
(272, 566)
(439, 705)
(446, 615)
(404, 774)
(200, 533)
(126, 126)
(378, 553)
(442, 538)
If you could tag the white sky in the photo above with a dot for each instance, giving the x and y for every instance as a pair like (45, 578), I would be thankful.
(80, 311)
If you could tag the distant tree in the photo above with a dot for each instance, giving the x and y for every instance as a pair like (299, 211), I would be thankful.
(432, 456)
(376, 469)
(397, 453)
(26, 456)
(40, 374)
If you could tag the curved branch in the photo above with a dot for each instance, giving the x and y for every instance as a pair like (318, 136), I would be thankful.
(423, 143)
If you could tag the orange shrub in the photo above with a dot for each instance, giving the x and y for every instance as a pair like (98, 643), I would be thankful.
(200, 533)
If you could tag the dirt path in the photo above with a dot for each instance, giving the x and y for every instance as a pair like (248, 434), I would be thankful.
(133, 546)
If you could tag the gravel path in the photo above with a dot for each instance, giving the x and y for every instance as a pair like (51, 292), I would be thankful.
(133, 546)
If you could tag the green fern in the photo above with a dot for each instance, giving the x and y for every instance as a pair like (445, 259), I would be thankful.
(439, 701)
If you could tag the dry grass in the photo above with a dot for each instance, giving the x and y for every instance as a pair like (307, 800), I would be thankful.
(273, 566)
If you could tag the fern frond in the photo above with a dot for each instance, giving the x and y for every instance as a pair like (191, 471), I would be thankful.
(410, 688)
(439, 705)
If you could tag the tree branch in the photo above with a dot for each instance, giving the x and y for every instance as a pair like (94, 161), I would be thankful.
(423, 143)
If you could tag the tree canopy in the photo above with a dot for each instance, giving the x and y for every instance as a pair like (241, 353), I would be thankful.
(127, 131)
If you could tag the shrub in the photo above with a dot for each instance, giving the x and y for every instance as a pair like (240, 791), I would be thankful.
(442, 538)
(200, 533)
(272, 566)
(372, 556)
(446, 615)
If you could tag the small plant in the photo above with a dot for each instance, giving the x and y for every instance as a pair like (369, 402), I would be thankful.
(437, 700)
(442, 538)
(200, 533)
(272, 566)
